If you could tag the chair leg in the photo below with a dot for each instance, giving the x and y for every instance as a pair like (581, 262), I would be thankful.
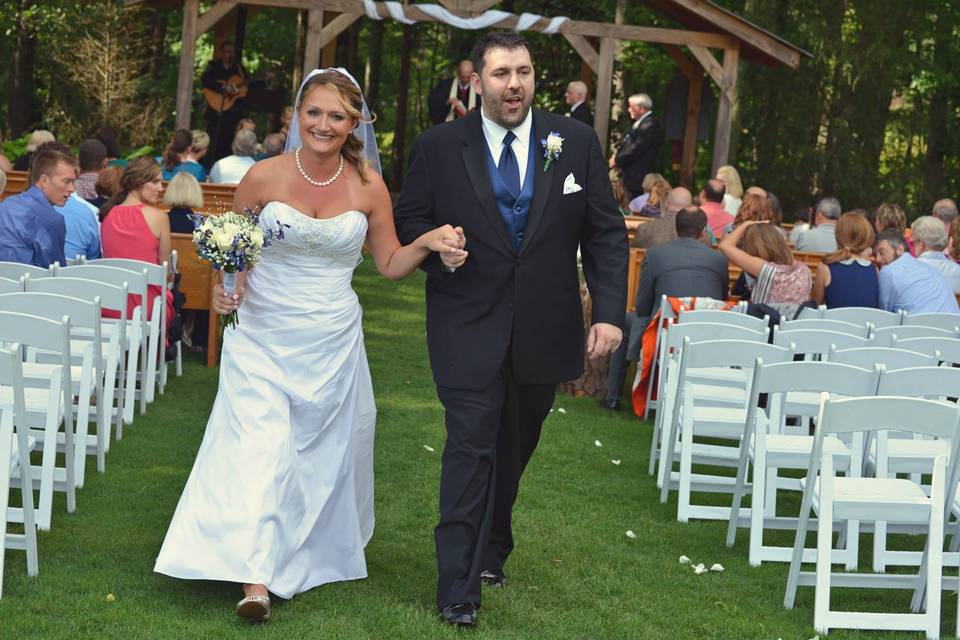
(821, 607)
(686, 469)
(738, 489)
(180, 362)
(757, 507)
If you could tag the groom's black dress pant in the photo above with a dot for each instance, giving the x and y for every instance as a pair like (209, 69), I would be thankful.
(491, 435)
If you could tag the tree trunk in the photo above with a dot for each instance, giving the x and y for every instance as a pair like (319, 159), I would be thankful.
(937, 119)
(371, 79)
(158, 33)
(22, 110)
(299, 43)
(353, 46)
(400, 126)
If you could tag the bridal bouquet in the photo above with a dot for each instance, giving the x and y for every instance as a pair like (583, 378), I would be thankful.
(231, 242)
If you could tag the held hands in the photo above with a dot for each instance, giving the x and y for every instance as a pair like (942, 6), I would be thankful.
(222, 303)
(449, 242)
(603, 339)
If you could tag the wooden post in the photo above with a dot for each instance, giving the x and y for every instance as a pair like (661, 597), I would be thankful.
(601, 120)
(188, 53)
(311, 52)
(689, 158)
(728, 97)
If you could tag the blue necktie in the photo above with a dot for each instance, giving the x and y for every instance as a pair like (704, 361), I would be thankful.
(508, 167)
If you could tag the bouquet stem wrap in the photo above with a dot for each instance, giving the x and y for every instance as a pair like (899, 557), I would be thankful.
(229, 287)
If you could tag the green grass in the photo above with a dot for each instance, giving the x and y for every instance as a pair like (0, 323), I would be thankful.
(573, 575)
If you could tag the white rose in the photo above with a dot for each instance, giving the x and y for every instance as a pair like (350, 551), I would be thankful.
(256, 238)
(231, 228)
(554, 143)
(207, 225)
(223, 239)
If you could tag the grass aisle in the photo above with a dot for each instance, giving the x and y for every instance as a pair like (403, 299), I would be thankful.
(574, 574)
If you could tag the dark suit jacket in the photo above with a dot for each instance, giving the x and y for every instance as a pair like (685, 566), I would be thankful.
(438, 100)
(583, 114)
(684, 267)
(502, 303)
(637, 153)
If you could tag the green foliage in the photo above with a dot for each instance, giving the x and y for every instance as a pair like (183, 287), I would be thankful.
(15, 148)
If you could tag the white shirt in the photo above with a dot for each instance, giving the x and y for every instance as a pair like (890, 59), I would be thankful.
(494, 134)
(636, 123)
(574, 106)
(949, 269)
(230, 170)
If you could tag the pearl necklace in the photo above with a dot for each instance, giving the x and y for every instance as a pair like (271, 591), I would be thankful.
(318, 183)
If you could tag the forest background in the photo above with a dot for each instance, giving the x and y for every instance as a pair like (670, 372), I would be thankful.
(870, 116)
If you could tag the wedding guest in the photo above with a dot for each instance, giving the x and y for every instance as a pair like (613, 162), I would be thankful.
(176, 156)
(930, 240)
(80, 217)
(658, 195)
(108, 185)
(890, 216)
(733, 193)
(272, 145)
(775, 278)
(712, 195)
(198, 151)
(636, 156)
(946, 210)
(955, 240)
(93, 159)
(453, 98)
(801, 222)
(576, 97)
(184, 196)
(663, 229)
(231, 169)
(847, 277)
(108, 136)
(636, 205)
(31, 231)
(822, 238)
(754, 207)
(37, 138)
(905, 282)
(286, 117)
(757, 191)
(136, 229)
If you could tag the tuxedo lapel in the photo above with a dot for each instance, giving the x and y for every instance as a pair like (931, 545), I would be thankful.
(475, 160)
(543, 180)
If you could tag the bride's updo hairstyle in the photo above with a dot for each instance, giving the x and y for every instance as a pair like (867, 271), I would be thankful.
(352, 101)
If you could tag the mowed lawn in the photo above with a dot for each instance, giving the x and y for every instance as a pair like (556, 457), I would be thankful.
(574, 573)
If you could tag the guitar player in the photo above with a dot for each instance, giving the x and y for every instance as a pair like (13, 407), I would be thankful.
(224, 81)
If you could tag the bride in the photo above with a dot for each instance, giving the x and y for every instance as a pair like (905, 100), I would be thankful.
(280, 498)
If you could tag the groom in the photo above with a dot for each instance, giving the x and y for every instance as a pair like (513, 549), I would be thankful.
(506, 327)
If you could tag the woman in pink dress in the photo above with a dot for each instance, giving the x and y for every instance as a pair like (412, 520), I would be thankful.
(134, 228)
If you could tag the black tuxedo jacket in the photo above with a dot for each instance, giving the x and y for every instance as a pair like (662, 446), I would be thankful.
(637, 154)
(502, 303)
(583, 114)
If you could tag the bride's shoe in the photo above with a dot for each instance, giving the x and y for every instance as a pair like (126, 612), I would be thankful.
(254, 608)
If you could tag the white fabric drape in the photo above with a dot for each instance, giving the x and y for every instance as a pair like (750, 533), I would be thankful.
(441, 14)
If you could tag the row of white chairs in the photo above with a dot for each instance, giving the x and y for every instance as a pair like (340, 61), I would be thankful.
(62, 364)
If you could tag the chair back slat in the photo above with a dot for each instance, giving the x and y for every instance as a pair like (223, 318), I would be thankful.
(861, 330)
(136, 282)
(887, 335)
(111, 296)
(724, 317)
(733, 353)
(921, 382)
(897, 413)
(810, 376)
(10, 286)
(860, 315)
(946, 321)
(816, 342)
(701, 331)
(156, 273)
(867, 357)
(52, 306)
(16, 270)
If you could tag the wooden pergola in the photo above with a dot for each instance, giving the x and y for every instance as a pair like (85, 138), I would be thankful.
(708, 29)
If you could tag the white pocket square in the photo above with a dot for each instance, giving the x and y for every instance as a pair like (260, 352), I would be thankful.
(570, 185)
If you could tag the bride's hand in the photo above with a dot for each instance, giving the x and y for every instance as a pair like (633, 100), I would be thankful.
(449, 242)
(222, 303)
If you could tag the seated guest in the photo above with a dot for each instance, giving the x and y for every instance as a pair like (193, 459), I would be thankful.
(246, 123)
(657, 197)
(754, 207)
(955, 240)
(183, 196)
(906, 283)
(174, 156)
(93, 159)
(135, 229)
(37, 138)
(231, 169)
(684, 267)
(637, 203)
(733, 189)
(272, 146)
(822, 238)
(946, 211)
(663, 229)
(198, 150)
(757, 190)
(930, 240)
(801, 222)
(79, 216)
(847, 277)
(108, 185)
(31, 231)
(889, 216)
(775, 279)
(711, 203)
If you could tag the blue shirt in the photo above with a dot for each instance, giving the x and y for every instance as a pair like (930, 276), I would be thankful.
(83, 229)
(31, 231)
(915, 287)
(193, 168)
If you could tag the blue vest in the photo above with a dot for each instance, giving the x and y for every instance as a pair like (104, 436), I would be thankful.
(514, 209)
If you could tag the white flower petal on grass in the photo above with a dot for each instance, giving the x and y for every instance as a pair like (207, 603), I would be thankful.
(684, 560)
(631, 535)
(616, 462)
(111, 597)
(597, 443)
(561, 410)
(717, 567)
(428, 448)
(699, 569)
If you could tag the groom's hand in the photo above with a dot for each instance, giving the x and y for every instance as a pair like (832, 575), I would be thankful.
(603, 339)
(452, 254)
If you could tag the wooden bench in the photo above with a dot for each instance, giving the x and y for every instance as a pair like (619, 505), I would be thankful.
(197, 279)
(17, 181)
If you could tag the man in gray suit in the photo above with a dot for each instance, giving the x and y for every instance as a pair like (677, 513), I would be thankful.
(663, 229)
(686, 266)
(822, 238)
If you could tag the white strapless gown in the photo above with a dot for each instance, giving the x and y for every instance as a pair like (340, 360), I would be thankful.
(281, 492)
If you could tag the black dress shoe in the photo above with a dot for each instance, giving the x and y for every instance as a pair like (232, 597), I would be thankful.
(460, 615)
(606, 403)
(494, 578)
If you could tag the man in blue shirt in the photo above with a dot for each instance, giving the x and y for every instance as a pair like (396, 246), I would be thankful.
(907, 283)
(83, 229)
(31, 231)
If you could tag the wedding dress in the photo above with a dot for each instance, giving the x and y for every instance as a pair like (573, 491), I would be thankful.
(281, 492)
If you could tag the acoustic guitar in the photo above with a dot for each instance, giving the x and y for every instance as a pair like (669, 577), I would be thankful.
(234, 88)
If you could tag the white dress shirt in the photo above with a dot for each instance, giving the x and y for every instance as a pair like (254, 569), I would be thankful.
(494, 135)
(636, 123)
(949, 269)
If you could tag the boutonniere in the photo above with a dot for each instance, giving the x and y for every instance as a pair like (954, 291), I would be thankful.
(552, 148)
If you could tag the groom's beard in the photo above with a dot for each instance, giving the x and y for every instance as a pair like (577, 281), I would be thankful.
(496, 109)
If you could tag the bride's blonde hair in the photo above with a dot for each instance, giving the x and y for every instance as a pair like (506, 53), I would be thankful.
(352, 101)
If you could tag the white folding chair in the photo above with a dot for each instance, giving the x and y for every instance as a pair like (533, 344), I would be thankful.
(112, 338)
(946, 350)
(16, 270)
(86, 370)
(868, 357)
(886, 336)
(49, 404)
(734, 316)
(692, 418)
(946, 321)
(767, 449)
(891, 499)
(136, 330)
(861, 330)
(860, 315)
(174, 270)
(10, 286)
(726, 379)
(157, 276)
(15, 448)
